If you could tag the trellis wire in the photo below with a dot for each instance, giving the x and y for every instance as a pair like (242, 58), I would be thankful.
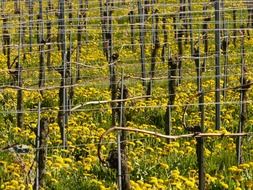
(37, 151)
(191, 135)
(184, 15)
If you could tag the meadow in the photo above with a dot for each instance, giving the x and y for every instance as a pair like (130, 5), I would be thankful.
(65, 67)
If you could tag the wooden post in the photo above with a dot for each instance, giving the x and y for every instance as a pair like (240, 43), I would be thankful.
(165, 38)
(180, 53)
(80, 24)
(70, 11)
(85, 21)
(103, 15)
(172, 74)
(234, 28)
(181, 32)
(224, 48)
(6, 41)
(43, 150)
(49, 46)
(206, 19)
(190, 25)
(217, 65)
(41, 41)
(70, 78)
(249, 4)
(30, 12)
(243, 99)
(142, 42)
(63, 98)
(112, 59)
(183, 17)
(200, 140)
(131, 21)
(156, 46)
(18, 73)
(174, 17)
(124, 178)
(41, 153)
(16, 6)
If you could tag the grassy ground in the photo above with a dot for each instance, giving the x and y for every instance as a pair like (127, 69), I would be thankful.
(153, 163)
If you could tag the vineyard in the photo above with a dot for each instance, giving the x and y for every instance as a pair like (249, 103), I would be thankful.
(145, 94)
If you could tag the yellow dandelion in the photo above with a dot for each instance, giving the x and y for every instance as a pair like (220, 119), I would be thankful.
(153, 180)
(150, 149)
(207, 152)
(57, 165)
(189, 184)
(131, 143)
(159, 186)
(160, 181)
(140, 182)
(68, 160)
(175, 173)
(244, 166)
(138, 142)
(147, 185)
(224, 185)
(53, 180)
(164, 166)
(59, 160)
(48, 174)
